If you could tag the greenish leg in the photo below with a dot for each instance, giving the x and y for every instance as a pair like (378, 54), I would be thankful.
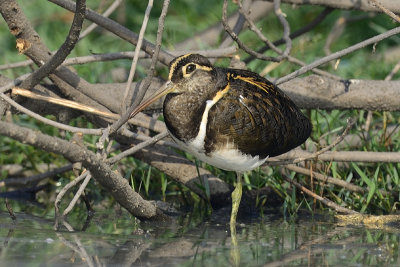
(236, 197)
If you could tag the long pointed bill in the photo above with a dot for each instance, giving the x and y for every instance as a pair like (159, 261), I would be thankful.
(165, 89)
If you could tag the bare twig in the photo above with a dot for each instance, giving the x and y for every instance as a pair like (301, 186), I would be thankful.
(106, 13)
(146, 83)
(140, 120)
(77, 195)
(136, 55)
(64, 50)
(323, 200)
(339, 54)
(48, 121)
(331, 180)
(286, 28)
(65, 189)
(138, 147)
(377, 4)
(117, 29)
(235, 37)
(364, 5)
(296, 33)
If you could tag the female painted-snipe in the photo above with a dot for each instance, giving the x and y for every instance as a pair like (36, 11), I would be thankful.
(232, 119)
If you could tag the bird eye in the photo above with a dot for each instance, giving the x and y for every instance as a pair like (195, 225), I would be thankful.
(190, 68)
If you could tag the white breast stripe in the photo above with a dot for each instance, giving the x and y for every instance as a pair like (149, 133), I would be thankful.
(198, 142)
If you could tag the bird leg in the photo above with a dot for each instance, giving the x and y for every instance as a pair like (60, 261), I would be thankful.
(236, 197)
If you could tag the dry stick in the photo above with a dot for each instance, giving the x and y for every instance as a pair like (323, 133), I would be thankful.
(49, 122)
(74, 105)
(106, 13)
(77, 194)
(286, 27)
(64, 50)
(65, 189)
(117, 29)
(138, 147)
(235, 37)
(255, 29)
(294, 34)
(331, 180)
(136, 56)
(338, 54)
(146, 83)
(384, 9)
(213, 53)
(19, 181)
(323, 200)
(284, 54)
(13, 83)
(339, 139)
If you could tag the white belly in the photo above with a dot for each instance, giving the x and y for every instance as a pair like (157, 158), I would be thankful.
(229, 159)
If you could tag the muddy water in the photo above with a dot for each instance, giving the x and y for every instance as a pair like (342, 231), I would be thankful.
(118, 240)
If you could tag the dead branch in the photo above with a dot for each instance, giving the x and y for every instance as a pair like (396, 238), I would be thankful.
(62, 52)
(340, 156)
(339, 54)
(115, 184)
(117, 29)
(364, 5)
(331, 180)
(323, 200)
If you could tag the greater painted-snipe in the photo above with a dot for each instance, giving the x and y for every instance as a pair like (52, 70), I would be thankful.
(232, 119)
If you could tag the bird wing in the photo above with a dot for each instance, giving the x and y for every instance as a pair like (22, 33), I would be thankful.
(255, 116)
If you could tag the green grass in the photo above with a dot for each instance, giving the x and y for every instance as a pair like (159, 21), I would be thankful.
(184, 18)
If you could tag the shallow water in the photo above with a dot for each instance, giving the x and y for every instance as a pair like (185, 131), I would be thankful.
(117, 240)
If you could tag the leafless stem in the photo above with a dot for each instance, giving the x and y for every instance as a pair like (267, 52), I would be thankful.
(138, 147)
(65, 189)
(323, 200)
(339, 54)
(77, 194)
(235, 37)
(136, 55)
(377, 4)
(106, 13)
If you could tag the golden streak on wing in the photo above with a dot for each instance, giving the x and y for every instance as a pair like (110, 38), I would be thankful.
(251, 80)
(221, 93)
(173, 66)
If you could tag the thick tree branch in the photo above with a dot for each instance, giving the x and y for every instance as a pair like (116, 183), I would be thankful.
(62, 52)
(112, 181)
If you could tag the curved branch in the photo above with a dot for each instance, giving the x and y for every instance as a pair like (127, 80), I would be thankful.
(115, 183)
(64, 50)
